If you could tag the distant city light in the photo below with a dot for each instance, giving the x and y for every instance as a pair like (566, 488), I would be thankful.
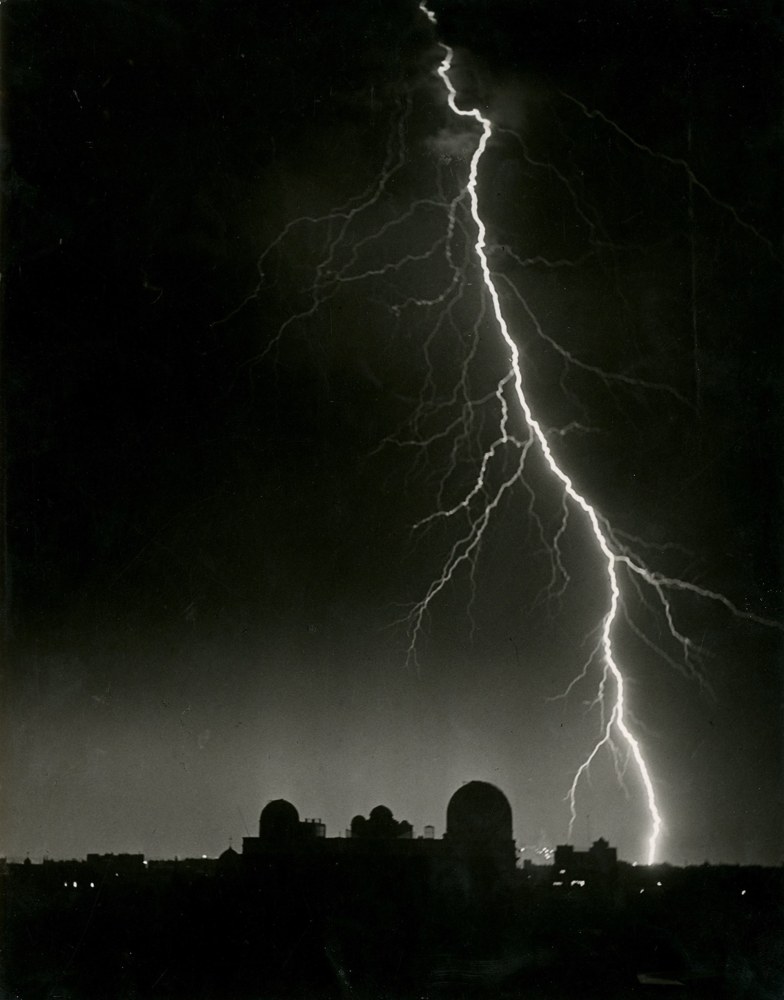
(542, 852)
(74, 885)
(557, 883)
(578, 881)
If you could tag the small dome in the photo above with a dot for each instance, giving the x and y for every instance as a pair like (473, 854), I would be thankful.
(479, 813)
(279, 821)
(380, 825)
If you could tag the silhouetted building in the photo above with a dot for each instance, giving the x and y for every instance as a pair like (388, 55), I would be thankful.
(282, 831)
(596, 868)
(479, 814)
(479, 823)
(381, 825)
(117, 864)
(478, 832)
(278, 823)
(230, 860)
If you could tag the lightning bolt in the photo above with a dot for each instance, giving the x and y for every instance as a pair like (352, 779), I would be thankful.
(517, 441)
(618, 715)
(616, 557)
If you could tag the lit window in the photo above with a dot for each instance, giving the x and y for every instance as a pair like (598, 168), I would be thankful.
(557, 883)
(642, 891)
(658, 883)
(743, 892)
(562, 871)
(92, 885)
(578, 881)
(74, 885)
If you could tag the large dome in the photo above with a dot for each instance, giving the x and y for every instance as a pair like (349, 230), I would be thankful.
(279, 821)
(479, 813)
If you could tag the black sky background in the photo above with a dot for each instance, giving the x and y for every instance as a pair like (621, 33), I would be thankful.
(207, 552)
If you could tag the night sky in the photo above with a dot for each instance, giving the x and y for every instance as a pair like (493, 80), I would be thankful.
(209, 551)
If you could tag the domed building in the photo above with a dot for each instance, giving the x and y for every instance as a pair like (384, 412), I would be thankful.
(479, 823)
(229, 861)
(282, 832)
(478, 838)
(479, 813)
(279, 822)
(380, 825)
